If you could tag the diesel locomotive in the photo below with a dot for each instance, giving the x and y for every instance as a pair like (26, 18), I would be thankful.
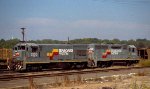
(31, 56)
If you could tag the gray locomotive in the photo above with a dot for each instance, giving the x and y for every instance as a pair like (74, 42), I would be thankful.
(31, 56)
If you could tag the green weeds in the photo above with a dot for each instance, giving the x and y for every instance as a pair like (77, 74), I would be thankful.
(144, 63)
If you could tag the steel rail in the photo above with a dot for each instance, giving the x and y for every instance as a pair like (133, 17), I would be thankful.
(62, 73)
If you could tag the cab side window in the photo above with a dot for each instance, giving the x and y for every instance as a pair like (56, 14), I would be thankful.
(129, 49)
(27, 49)
(34, 49)
(133, 50)
(15, 48)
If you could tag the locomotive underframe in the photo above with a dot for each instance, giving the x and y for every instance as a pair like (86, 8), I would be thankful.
(73, 64)
(55, 65)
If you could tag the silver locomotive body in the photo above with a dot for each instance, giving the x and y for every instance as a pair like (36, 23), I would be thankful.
(42, 56)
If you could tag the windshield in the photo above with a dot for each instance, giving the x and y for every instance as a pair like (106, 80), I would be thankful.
(21, 47)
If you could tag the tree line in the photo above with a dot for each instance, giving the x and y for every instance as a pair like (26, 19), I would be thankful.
(139, 43)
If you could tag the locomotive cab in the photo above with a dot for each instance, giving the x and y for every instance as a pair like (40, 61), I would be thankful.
(22, 52)
(18, 56)
(18, 51)
(132, 51)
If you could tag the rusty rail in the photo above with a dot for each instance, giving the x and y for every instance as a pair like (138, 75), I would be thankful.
(62, 73)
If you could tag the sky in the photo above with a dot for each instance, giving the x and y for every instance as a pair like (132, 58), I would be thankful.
(60, 19)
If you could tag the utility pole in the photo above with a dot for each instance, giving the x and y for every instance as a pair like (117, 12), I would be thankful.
(23, 33)
(68, 40)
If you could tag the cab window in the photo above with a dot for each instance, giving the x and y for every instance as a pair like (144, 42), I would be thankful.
(21, 47)
(27, 49)
(129, 49)
(15, 48)
(133, 50)
(34, 48)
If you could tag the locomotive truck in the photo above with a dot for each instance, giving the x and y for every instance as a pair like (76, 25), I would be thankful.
(31, 56)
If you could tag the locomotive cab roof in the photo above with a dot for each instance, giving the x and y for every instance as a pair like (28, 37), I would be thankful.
(132, 46)
(26, 44)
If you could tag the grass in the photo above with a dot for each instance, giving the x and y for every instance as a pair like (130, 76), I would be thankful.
(67, 81)
(77, 80)
(57, 82)
(32, 84)
(135, 85)
(143, 73)
(144, 63)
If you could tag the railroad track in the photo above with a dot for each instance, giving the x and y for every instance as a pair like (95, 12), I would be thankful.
(11, 76)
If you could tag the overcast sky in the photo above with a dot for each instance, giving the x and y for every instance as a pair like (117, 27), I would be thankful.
(59, 19)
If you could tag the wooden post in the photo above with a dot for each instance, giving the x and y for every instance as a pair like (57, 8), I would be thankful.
(31, 83)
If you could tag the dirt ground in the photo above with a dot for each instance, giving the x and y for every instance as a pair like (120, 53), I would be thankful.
(130, 81)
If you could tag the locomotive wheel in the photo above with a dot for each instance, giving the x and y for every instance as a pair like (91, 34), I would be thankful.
(33, 68)
(28, 68)
(91, 63)
(101, 64)
(72, 65)
(83, 65)
(63, 65)
(80, 65)
(104, 64)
